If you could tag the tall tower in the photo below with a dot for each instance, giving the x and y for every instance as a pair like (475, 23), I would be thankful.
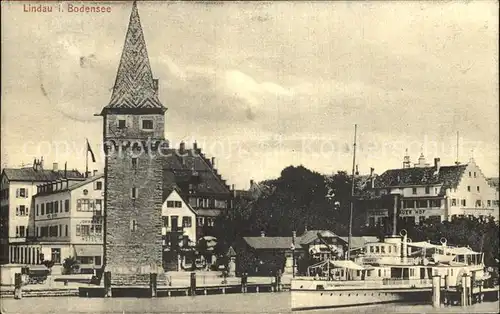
(133, 131)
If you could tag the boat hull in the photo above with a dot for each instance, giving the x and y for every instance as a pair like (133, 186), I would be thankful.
(338, 297)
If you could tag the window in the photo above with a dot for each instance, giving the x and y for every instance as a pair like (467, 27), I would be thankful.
(66, 230)
(427, 190)
(422, 204)
(464, 203)
(170, 204)
(85, 192)
(98, 204)
(37, 209)
(85, 230)
(147, 124)
(165, 221)
(66, 205)
(435, 190)
(186, 222)
(121, 124)
(371, 249)
(478, 203)
(200, 221)
(470, 174)
(474, 174)
(78, 230)
(22, 193)
(134, 193)
(178, 204)
(56, 207)
(379, 273)
(42, 208)
(98, 185)
(453, 202)
(17, 231)
(468, 188)
(414, 190)
(97, 261)
(22, 210)
(435, 203)
(83, 205)
(488, 202)
(134, 163)
(133, 225)
(477, 188)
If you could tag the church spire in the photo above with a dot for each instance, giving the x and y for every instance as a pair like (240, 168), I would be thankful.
(134, 86)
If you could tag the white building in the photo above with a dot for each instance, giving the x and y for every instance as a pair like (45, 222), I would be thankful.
(18, 186)
(432, 192)
(178, 216)
(68, 220)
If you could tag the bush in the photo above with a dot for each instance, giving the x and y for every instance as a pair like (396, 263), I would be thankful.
(70, 265)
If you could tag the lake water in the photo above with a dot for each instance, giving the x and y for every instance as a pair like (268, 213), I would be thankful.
(230, 303)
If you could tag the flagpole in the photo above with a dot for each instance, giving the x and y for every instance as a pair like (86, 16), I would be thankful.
(87, 159)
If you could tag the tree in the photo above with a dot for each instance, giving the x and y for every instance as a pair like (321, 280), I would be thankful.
(70, 265)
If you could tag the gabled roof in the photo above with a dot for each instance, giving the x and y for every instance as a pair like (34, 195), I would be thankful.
(166, 196)
(269, 243)
(448, 177)
(134, 85)
(192, 167)
(32, 175)
(312, 235)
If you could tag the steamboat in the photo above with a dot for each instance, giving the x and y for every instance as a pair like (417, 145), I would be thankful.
(393, 269)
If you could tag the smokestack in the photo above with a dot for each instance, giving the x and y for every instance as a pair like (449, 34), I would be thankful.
(372, 177)
(357, 171)
(54, 166)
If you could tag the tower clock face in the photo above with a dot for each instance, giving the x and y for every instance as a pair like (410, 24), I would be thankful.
(74, 77)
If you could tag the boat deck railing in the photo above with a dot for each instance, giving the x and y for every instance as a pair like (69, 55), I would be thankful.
(374, 283)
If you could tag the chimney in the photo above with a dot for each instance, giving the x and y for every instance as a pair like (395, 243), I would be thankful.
(195, 147)
(155, 85)
(54, 166)
(232, 187)
(40, 164)
(262, 234)
(357, 171)
(251, 183)
(182, 148)
(437, 164)
(213, 162)
(371, 172)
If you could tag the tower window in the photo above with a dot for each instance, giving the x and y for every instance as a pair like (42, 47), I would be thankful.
(134, 193)
(478, 188)
(133, 225)
(122, 124)
(147, 124)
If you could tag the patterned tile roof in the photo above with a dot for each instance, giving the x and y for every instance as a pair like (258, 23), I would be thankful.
(448, 176)
(40, 175)
(134, 85)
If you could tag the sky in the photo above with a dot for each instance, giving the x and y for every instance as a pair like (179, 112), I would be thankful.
(262, 86)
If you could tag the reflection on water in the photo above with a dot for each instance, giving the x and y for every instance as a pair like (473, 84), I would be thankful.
(230, 303)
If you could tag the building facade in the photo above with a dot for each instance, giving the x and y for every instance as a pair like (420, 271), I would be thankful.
(199, 183)
(428, 192)
(18, 186)
(133, 126)
(68, 221)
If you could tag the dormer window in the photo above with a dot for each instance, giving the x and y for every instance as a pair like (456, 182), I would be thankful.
(122, 124)
(147, 124)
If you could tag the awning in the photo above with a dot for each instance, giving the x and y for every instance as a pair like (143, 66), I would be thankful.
(461, 251)
(89, 250)
(424, 245)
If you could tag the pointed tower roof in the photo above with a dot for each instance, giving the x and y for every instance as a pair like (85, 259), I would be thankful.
(135, 87)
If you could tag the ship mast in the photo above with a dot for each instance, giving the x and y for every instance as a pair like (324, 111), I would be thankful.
(349, 241)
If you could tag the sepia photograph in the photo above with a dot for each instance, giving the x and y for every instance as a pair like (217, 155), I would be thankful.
(249, 157)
